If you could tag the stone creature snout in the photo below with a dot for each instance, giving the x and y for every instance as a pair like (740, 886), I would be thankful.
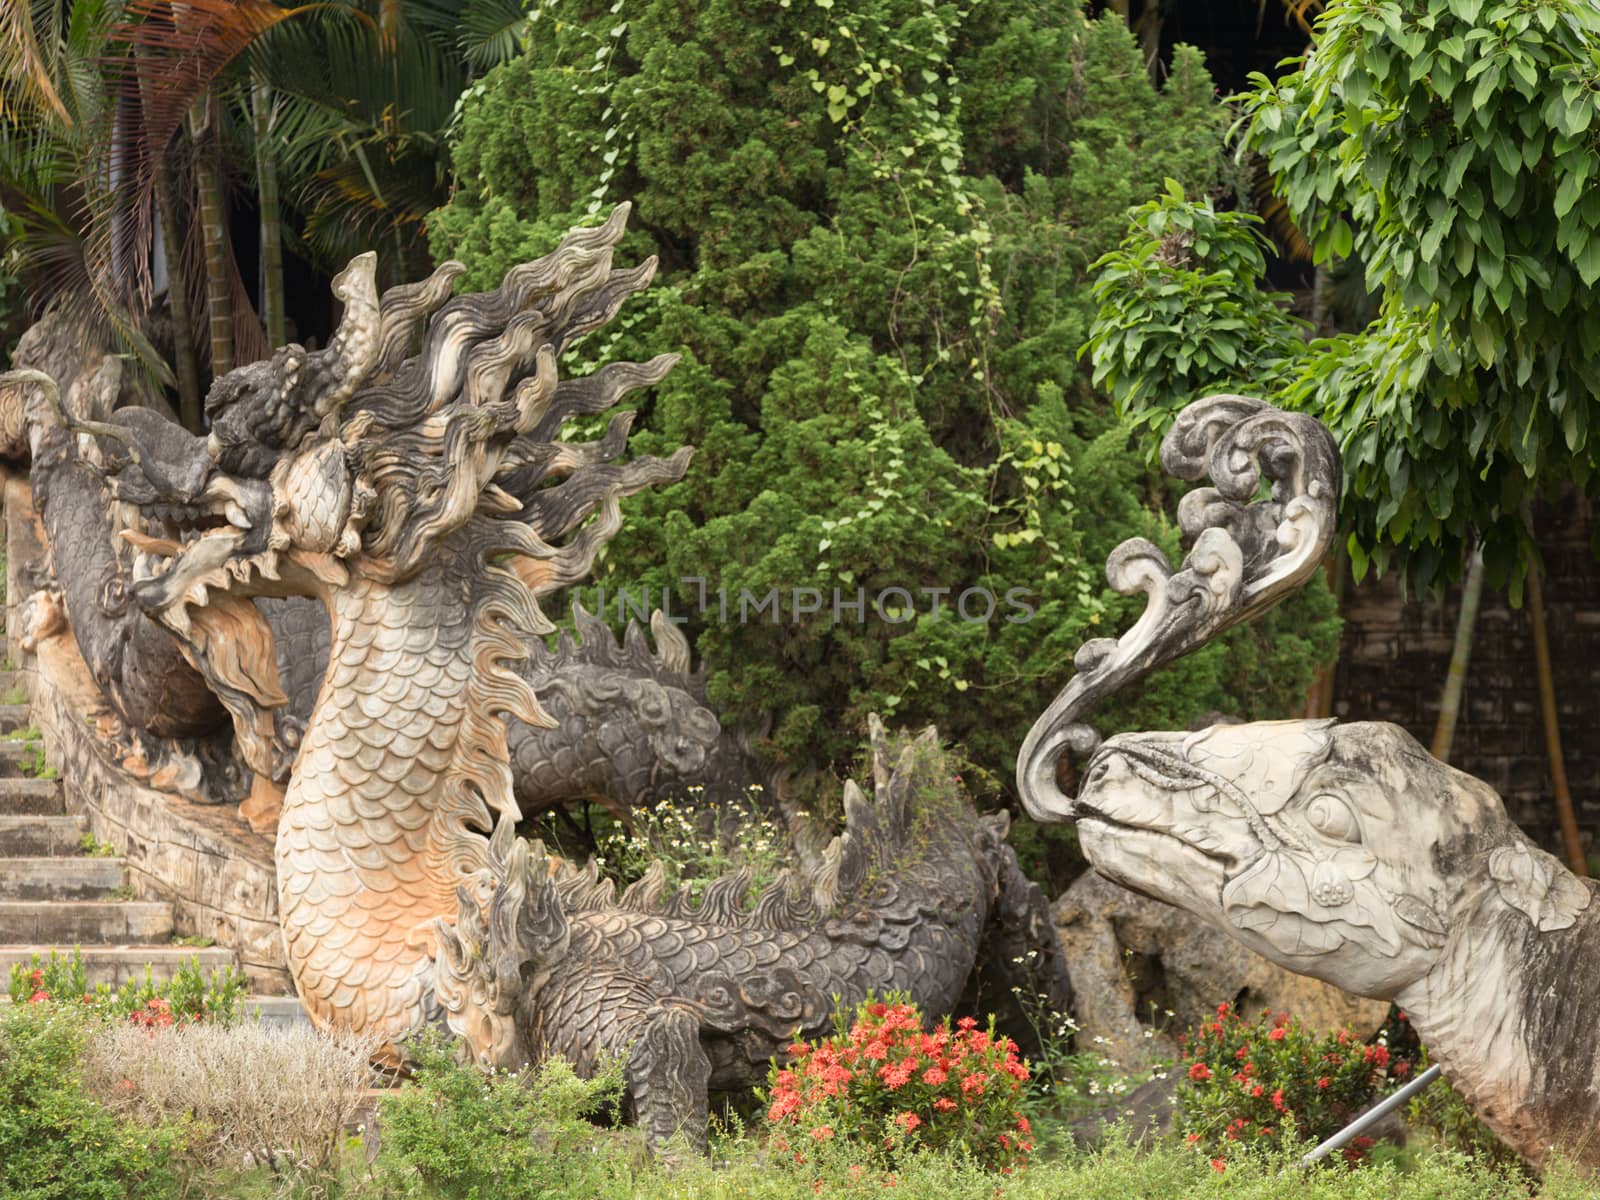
(1339, 851)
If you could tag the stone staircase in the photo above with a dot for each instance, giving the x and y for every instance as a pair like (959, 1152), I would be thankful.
(57, 893)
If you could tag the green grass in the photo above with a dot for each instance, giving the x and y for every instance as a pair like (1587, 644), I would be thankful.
(1167, 1171)
(36, 765)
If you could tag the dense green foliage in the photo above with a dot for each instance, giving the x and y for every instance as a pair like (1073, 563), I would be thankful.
(187, 995)
(462, 1134)
(875, 220)
(1450, 145)
(1175, 324)
(452, 1132)
(56, 1141)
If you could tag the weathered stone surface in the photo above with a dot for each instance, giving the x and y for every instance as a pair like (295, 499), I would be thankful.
(1347, 853)
(32, 836)
(59, 878)
(275, 1010)
(1134, 960)
(22, 796)
(84, 922)
(27, 564)
(214, 873)
(1254, 537)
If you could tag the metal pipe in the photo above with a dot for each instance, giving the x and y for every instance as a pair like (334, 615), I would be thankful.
(1371, 1117)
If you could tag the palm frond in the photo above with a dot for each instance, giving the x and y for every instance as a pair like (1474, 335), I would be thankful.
(25, 79)
(492, 32)
(179, 50)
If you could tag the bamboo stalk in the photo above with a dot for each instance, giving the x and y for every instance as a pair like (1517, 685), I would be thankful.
(1571, 841)
(1455, 680)
(214, 232)
(271, 217)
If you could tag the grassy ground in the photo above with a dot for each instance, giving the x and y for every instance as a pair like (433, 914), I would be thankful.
(1166, 1171)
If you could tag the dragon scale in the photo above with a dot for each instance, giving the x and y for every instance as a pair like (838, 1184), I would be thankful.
(405, 749)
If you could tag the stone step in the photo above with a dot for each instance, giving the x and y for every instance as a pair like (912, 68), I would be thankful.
(19, 757)
(85, 922)
(61, 878)
(27, 836)
(31, 797)
(13, 717)
(116, 965)
(275, 1010)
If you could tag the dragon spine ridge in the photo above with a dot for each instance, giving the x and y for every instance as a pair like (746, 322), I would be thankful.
(546, 958)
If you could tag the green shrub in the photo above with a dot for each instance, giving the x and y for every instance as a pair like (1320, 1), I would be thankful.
(456, 1131)
(55, 1140)
(883, 1081)
(1273, 1080)
(188, 995)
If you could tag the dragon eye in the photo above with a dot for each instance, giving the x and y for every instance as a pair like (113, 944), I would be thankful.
(1332, 817)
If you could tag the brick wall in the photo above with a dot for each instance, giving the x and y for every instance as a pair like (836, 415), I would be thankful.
(1395, 653)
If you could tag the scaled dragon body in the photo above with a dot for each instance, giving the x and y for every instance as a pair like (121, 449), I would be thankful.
(631, 726)
(426, 501)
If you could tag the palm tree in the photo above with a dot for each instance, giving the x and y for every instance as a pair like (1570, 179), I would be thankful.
(121, 117)
(59, 124)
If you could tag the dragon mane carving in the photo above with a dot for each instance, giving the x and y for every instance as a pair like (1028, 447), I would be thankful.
(412, 480)
(632, 726)
(1340, 851)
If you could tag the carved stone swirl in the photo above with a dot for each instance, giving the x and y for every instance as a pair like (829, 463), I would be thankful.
(1244, 555)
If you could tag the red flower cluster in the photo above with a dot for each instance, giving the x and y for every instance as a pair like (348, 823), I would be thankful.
(1248, 1079)
(885, 1080)
(156, 1014)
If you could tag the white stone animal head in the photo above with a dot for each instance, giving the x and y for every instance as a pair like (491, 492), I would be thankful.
(1344, 852)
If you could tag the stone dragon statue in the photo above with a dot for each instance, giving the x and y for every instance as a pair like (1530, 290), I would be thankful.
(631, 727)
(1340, 851)
(412, 481)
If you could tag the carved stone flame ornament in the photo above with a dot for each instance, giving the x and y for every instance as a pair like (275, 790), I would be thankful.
(1245, 553)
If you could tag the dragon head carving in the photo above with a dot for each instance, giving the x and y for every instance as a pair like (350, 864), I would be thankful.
(1341, 851)
(423, 415)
